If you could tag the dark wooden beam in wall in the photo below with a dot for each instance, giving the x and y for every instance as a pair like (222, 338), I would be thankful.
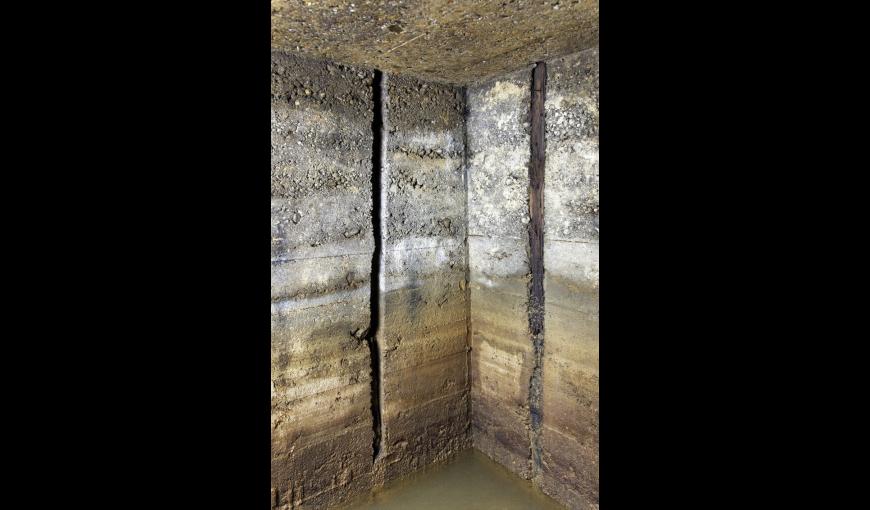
(537, 162)
(536, 191)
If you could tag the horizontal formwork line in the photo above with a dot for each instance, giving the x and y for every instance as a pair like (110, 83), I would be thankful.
(495, 367)
(562, 433)
(322, 435)
(577, 241)
(433, 361)
(280, 260)
(455, 245)
(497, 344)
(302, 295)
(295, 402)
(523, 239)
(297, 416)
(395, 152)
(432, 329)
(322, 438)
(436, 399)
(498, 403)
(499, 351)
(287, 302)
(568, 308)
(325, 358)
(497, 289)
(337, 417)
(501, 414)
(447, 330)
(502, 360)
(425, 282)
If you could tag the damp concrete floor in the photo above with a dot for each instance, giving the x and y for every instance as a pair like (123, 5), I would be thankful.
(469, 482)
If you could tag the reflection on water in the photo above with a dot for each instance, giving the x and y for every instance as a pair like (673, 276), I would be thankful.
(470, 482)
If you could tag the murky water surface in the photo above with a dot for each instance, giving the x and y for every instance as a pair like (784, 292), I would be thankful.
(470, 482)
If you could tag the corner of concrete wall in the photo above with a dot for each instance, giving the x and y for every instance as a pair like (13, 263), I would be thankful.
(498, 218)
(423, 340)
(569, 434)
(453, 274)
(502, 354)
(323, 410)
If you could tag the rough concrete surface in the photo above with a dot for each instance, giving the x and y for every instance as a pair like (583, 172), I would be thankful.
(321, 260)
(453, 41)
(498, 146)
(454, 351)
(570, 365)
(502, 355)
(423, 333)
(322, 246)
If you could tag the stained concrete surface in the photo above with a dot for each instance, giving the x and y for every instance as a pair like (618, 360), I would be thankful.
(501, 356)
(453, 41)
(569, 433)
(423, 328)
(322, 247)
(454, 276)
(470, 482)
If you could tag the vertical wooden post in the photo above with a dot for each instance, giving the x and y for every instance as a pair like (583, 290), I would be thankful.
(536, 257)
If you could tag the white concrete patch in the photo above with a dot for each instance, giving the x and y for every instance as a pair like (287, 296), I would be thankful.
(573, 260)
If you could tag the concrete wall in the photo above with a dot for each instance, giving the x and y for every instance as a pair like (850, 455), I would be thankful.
(501, 356)
(569, 435)
(423, 334)
(322, 247)
(434, 398)
(322, 251)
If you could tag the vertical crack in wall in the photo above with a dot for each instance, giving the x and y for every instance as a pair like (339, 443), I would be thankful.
(375, 280)
(536, 258)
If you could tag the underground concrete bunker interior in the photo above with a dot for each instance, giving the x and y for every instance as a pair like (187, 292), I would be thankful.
(434, 246)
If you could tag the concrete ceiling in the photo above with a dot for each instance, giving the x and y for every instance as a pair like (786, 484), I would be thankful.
(453, 41)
